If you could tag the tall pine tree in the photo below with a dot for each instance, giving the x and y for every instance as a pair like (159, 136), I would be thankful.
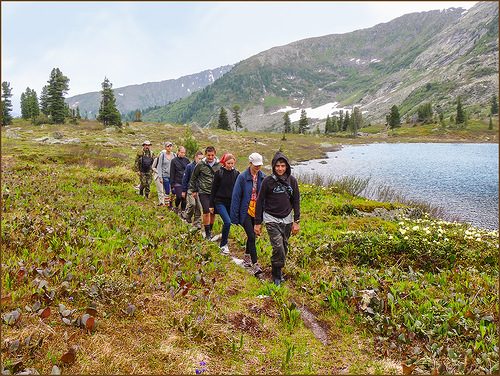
(223, 122)
(57, 88)
(328, 125)
(287, 124)
(6, 103)
(356, 122)
(494, 104)
(347, 120)
(44, 102)
(394, 119)
(460, 119)
(108, 113)
(303, 122)
(237, 117)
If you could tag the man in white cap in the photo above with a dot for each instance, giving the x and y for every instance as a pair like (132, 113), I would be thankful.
(243, 202)
(143, 166)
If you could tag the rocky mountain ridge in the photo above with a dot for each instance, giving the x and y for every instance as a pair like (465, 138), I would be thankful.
(428, 56)
(150, 94)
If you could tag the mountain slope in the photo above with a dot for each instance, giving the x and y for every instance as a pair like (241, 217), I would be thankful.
(133, 97)
(456, 52)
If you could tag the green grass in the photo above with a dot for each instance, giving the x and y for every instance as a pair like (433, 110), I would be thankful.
(74, 232)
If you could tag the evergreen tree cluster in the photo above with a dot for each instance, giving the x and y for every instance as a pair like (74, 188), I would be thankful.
(29, 105)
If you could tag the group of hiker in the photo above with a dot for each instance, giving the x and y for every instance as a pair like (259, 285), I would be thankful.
(207, 186)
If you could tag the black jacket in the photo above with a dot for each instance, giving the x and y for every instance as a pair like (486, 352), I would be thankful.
(222, 186)
(278, 195)
(177, 167)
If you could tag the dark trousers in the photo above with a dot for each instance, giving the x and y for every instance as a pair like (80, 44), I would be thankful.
(248, 224)
(178, 196)
(279, 233)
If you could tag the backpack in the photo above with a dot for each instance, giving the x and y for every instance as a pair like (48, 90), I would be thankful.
(146, 163)
(155, 163)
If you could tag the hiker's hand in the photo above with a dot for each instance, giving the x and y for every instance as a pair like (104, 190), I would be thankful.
(295, 228)
(194, 194)
(183, 194)
(211, 210)
(257, 229)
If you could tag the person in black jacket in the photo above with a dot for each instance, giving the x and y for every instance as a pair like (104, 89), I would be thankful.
(220, 196)
(278, 197)
(177, 168)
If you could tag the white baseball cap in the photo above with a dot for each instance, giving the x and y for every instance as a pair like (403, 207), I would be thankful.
(255, 159)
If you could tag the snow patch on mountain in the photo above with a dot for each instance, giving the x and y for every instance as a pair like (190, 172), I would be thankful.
(319, 113)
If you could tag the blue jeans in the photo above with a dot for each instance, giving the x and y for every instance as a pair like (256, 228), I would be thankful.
(223, 211)
(166, 184)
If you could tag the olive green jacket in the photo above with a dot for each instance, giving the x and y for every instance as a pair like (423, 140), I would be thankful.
(202, 177)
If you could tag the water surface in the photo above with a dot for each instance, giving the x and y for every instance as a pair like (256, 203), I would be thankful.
(460, 178)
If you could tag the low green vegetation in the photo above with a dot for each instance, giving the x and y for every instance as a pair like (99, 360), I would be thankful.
(97, 280)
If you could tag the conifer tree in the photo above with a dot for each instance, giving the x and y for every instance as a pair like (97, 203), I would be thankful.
(303, 122)
(328, 124)
(6, 103)
(356, 122)
(44, 104)
(287, 124)
(58, 87)
(78, 116)
(340, 122)
(223, 122)
(237, 117)
(24, 106)
(460, 119)
(494, 104)
(394, 119)
(346, 121)
(108, 113)
(29, 105)
(490, 126)
(335, 122)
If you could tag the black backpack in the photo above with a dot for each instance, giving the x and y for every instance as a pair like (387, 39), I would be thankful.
(146, 163)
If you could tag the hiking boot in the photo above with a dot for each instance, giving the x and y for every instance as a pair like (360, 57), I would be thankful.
(224, 250)
(277, 281)
(247, 260)
(256, 269)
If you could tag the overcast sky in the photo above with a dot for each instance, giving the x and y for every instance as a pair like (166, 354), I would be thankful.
(137, 42)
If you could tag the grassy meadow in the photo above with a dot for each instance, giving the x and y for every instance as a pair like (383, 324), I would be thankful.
(95, 279)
